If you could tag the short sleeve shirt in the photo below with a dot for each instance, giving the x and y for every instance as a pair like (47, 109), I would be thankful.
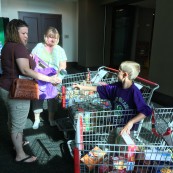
(52, 59)
(19, 51)
(124, 99)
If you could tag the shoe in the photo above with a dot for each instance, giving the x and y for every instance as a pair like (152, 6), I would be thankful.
(36, 124)
(52, 123)
(25, 160)
(25, 143)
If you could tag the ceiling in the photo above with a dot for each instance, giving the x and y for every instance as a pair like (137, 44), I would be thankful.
(142, 3)
(146, 3)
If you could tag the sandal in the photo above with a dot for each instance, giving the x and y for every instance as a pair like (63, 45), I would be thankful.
(24, 160)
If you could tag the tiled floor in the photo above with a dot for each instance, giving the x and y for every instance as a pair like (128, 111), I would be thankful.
(47, 143)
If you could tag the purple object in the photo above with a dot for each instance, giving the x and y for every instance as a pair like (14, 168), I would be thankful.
(46, 89)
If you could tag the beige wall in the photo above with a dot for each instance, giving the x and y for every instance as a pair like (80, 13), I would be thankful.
(161, 63)
(68, 9)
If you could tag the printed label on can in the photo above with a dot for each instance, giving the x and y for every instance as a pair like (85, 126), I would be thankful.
(130, 166)
(115, 162)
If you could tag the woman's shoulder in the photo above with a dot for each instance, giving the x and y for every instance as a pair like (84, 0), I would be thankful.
(39, 45)
(18, 47)
(15, 45)
(58, 47)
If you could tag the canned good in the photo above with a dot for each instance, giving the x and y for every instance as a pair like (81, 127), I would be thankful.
(121, 164)
(115, 162)
(130, 166)
(103, 168)
(66, 103)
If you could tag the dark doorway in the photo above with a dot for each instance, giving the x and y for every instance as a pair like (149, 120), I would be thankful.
(122, 27)
(38, 23)
(144, 38)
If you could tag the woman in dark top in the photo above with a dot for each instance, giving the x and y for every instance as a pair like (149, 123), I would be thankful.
(16, 40)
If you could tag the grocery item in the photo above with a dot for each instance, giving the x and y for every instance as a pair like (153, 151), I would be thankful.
(166, 170)
(94, 157)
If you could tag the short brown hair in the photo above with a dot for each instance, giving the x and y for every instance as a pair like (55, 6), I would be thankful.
(12, 34)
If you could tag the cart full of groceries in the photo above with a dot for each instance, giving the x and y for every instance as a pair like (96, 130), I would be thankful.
(69, 96)
(78, 101)
(98, 147)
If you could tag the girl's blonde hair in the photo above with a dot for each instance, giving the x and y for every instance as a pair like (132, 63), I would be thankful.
(53, 33)
(130, 67)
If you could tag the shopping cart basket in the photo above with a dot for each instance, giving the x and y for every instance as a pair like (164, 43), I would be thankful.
(70, 121)
(152, 154)
(71, 97)
(104, 75)
(95, 126)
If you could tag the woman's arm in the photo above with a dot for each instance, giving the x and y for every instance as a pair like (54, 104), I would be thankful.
(62, 65)
(23, 64)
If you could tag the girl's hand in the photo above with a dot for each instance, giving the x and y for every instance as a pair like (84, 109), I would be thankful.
(127, 128)
(75, 85)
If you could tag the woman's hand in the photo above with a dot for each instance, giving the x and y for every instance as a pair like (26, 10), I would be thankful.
(127, 128)
(75, 85)
(55, 80)
(31, 55)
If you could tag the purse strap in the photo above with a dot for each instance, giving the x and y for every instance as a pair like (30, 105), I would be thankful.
(12, 62)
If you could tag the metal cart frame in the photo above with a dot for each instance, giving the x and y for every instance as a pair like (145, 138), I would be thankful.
(147, 88)
(152, 154)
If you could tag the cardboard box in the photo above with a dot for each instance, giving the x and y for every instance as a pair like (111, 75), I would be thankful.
(94, 157)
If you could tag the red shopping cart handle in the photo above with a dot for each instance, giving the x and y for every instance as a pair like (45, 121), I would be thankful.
(76, 160)
(63, 99)
(167, 132)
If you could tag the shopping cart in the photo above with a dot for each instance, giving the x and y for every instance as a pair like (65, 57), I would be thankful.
(71, 97)
(94, 125)
(94, 153)
(69, 123)
(104, 75)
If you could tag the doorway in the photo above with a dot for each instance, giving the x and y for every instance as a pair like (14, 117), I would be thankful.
(122, 27)
(38, 23)
(144, 35)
